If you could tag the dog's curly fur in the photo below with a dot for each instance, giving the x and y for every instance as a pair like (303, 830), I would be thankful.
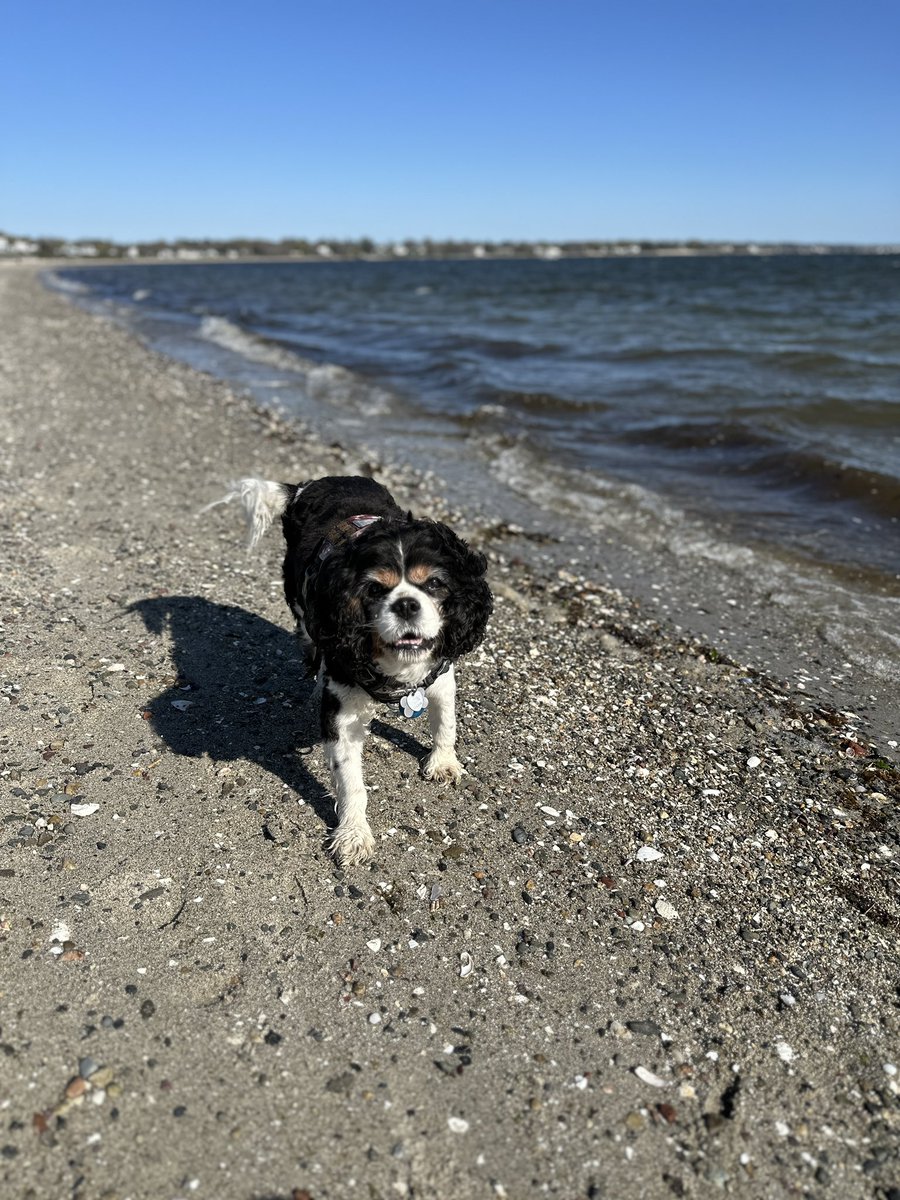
(384, 603)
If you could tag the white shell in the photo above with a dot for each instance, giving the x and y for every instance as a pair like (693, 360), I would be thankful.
(648, 1077)
(648, 854)
(466, 965)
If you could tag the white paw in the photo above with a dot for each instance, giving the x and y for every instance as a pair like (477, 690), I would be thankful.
(352, 844)
(443, 766)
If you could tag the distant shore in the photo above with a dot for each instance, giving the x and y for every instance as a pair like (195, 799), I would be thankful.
(86, 250)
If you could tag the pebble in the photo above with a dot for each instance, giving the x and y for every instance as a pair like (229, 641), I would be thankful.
(458, 1125)
(76, 1087)
(785, 1052)
(644, 1028)
(753, 762)
(667, 911)
(375, 1018)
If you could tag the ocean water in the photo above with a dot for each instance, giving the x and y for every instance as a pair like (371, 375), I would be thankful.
(737, 414)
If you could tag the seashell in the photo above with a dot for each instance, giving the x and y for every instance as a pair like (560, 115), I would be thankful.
(648, 1077)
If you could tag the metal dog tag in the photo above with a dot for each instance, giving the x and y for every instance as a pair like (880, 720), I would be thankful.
(414, 704)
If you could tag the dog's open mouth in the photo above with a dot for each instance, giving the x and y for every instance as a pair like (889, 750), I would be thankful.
(412, 642)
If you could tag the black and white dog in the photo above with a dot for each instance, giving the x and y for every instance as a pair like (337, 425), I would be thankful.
(385, 604)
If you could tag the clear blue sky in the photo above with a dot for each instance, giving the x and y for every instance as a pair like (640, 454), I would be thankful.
(452, 118)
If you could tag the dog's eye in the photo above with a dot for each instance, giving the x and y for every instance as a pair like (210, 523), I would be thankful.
(374, 591)
(434, 585)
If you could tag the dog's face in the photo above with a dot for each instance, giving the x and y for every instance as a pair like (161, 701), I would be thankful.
(401, 594)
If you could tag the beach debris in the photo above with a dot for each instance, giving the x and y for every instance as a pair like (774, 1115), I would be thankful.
(83, 810)
(466, 965)
(458, 1125)
(647, 1076)
(182, 705)
(667, 911)
(648, 854)
(434, 901)
(60, 932)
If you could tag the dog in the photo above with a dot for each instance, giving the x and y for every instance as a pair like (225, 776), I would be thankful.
(385, 604)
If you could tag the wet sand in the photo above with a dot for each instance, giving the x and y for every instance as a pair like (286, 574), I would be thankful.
(661, 959)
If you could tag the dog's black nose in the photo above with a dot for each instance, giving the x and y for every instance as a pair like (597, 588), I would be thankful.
(406, 607)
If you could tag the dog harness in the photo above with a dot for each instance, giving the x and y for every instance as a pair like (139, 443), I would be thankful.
(386, 689)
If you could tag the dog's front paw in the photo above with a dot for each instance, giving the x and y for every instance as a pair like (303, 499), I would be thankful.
(352, 844)
(442, 766)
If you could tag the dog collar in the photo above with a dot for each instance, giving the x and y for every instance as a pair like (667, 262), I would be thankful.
(344, 531)
(411, 701)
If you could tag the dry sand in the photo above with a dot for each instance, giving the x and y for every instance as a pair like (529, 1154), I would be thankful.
(663, 956)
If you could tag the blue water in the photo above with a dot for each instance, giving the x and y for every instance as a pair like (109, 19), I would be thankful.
(760, 392)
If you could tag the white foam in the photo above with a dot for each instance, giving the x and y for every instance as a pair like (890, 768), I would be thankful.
(326, 382)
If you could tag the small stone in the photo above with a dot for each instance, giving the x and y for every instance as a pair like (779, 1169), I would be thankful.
(375, 1018)
(148, 1008)
(785, 1052)
(667, 911)
(635, 1122)
(644, 1028)
(521, 836)
(87, 1067)
(458, 1124)
(753, 762)
(76, 1087)
(668, 1113)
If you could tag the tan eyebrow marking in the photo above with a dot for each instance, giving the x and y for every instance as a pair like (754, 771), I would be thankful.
(386, 576)
(419, 574)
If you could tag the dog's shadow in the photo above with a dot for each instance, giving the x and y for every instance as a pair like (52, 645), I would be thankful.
(241, 693)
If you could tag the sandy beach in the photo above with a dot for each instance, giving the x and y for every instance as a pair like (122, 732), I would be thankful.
(647, 949)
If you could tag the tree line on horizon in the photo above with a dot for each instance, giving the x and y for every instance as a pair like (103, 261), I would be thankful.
(365, 247)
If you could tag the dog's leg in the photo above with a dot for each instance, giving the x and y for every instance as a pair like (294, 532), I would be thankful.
(442, 764)
(346, 713)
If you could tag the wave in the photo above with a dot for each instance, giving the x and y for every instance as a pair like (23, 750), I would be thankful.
(222, 332)
(536, 402)
(324, 382)
(70, 286)
(751, 450)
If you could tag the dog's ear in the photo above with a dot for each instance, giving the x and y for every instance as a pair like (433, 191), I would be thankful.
(336, 621)
(469, 604)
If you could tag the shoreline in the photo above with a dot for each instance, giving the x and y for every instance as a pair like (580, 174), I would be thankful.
(676, 886)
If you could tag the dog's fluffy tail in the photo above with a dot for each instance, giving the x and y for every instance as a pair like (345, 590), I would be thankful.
(262, 502)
